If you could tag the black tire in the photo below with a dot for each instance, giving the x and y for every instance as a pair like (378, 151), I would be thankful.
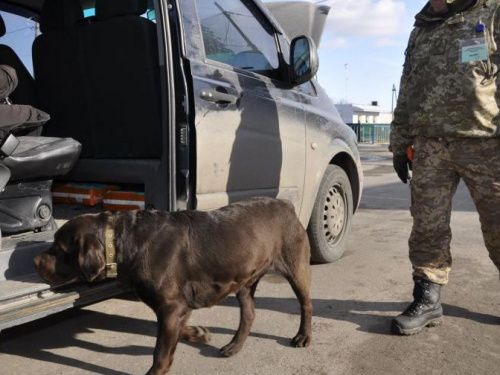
(331, 217)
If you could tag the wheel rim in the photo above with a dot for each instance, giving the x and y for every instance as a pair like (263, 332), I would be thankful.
(334, 214)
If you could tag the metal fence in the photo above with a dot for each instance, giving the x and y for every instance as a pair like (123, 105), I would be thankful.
(372, 133)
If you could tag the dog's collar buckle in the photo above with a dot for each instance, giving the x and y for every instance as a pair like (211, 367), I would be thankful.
(111, 270)
(110, 250)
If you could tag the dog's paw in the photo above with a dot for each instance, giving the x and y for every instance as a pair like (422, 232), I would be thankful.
(230, 349)
(196, 334)
(301, 340)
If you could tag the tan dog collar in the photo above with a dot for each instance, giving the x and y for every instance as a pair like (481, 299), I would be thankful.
(111, 268)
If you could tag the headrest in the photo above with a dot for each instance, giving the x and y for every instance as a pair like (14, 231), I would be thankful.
(105, 9)
(2, 26)
(8, 80)
(60, 14)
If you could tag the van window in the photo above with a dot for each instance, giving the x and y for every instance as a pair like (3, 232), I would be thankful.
(233, 35)
(20, 34)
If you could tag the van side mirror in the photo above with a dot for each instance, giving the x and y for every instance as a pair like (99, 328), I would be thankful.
(303, 59)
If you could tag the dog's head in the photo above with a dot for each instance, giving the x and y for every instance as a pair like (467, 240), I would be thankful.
(78, 249)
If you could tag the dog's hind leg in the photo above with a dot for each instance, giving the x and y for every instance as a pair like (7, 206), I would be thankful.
(304, 336)
(194, 333)
(299, 277)
(247, 315)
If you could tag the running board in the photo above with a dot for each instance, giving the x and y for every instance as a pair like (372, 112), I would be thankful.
(29, 299)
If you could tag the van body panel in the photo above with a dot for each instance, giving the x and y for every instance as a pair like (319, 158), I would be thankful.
(228, 132)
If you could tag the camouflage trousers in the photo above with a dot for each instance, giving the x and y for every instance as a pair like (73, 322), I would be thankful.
(438, 166)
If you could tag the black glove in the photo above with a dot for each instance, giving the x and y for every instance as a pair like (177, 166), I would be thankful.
(401, 165)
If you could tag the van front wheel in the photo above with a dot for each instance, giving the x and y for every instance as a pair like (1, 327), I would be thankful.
(331, 217)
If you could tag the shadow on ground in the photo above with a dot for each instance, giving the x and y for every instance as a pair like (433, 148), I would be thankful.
(36, 340)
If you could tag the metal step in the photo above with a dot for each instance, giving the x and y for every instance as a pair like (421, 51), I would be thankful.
(20, 287)
(44, 301)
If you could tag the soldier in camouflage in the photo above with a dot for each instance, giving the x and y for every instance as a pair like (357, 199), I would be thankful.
(448, 110)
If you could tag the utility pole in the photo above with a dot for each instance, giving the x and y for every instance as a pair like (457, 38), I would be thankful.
(394, 98)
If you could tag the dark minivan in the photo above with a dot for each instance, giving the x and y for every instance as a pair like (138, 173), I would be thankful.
(199, 103)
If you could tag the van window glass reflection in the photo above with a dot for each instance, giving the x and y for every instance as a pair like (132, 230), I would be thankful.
(233, 35)
(301, 59)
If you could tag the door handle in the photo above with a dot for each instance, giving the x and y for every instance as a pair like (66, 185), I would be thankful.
(218, 97)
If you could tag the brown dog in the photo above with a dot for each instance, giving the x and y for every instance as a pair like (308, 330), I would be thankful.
(186, 260)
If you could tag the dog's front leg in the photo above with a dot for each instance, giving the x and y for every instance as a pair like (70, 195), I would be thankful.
(170, 319)
(247, 315)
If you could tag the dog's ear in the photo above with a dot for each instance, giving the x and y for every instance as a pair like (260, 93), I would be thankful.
(91, 256)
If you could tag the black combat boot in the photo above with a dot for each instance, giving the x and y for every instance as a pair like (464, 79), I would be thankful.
(425, 311)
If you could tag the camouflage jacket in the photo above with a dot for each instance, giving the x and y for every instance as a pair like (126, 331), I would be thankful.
(450, 77)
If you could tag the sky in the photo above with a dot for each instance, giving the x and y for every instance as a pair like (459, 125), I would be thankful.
(364, 41)
(361, 53)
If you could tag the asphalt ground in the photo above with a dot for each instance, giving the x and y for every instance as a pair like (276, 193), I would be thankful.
(354, 300)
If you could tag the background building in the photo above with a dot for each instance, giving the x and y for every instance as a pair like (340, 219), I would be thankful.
(364, 114)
